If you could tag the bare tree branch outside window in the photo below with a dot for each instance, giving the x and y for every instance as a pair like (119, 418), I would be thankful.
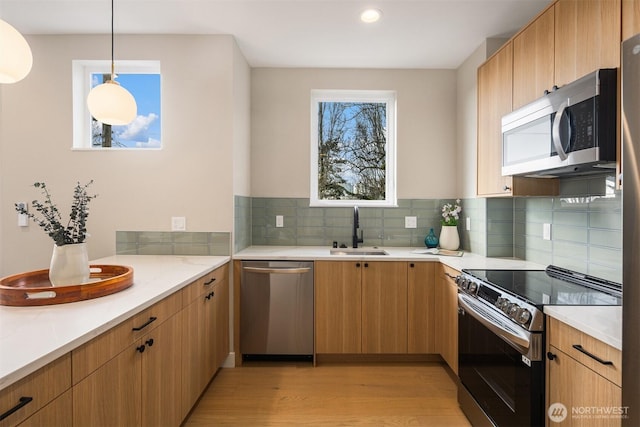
(352, 150)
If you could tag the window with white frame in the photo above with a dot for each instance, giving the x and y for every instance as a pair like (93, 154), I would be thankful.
(142, 80)
(353, 147)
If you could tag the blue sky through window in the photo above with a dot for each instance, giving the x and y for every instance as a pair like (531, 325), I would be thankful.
(145, 130)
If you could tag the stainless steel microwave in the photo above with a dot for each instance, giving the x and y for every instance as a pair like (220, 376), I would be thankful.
(571, 130)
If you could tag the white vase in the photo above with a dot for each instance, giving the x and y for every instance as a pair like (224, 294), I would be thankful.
(69, 265)
(449, 238)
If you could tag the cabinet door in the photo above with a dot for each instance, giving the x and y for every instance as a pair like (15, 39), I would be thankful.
(221, 325)
(420, 307)
(630, 18)
(193, 352)
(338, 321)
(384, 307)
(494, 101)
(533, 60)
(576, 386)
(57, 413)
(446, 297)
(161, 375)
(111, 395)
(587, 37)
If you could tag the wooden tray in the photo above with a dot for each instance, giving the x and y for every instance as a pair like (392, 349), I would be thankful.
(34, 288)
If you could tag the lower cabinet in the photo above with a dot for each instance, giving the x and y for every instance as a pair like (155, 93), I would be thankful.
(446, 327)
(374, 307)
(57, 413)
(205, 341)
(139, 386)
(584, 376)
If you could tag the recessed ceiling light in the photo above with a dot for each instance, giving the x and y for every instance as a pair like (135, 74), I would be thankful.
(370, 15)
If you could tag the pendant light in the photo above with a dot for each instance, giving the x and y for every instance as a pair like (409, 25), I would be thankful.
(109, 102)
(15, 54)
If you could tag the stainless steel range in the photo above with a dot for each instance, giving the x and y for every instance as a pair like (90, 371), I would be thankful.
(501, 338)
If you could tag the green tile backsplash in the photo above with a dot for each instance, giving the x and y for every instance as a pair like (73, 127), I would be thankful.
(172, 243)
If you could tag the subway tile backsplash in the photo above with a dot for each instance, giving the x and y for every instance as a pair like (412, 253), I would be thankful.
(172, 243)
(586, 225)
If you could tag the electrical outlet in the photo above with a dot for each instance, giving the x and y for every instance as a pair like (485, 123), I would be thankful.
(279, 221)
(23, 219)
(178, 223)
(546, 231)
(410, 222)
(468, 224)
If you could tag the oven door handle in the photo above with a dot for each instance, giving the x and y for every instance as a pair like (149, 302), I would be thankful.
(519, 339)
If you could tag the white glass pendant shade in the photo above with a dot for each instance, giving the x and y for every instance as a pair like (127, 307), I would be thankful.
(15, 54)
(112, 104)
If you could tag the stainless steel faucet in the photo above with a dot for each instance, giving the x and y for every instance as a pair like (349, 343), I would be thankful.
(356, 225)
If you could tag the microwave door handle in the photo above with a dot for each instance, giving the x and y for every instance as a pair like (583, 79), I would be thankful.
(555, 132)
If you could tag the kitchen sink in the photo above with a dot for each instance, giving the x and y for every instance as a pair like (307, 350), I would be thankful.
(358, 251)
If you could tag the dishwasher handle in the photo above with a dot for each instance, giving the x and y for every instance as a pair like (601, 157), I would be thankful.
(281, 270)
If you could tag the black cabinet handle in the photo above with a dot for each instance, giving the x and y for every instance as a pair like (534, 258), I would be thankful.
(149, 342)
(412, 265)
(210, 295)
(207, 283)
(551, 356)
(140, 349)
(147, 323)
(593, 356)
(366, 265)
(358, 264)
(23, 401)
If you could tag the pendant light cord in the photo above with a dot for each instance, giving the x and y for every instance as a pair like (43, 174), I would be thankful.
(112, 56)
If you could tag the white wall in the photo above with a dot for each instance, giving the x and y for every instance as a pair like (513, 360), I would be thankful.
(138, 190)
(426, 127)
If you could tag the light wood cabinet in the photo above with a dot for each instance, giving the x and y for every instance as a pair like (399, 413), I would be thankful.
(57, 413)
(446, 327)
(379, 307)
(533, 60)
(421, 303)
(205, 338)
(139, 386)
(630, 18)
(587, 37)
(580, 382)
(39, 388)
(384, 307)
(338, 302)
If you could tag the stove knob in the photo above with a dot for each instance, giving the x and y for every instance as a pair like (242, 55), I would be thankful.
(523, 316)
(502, 303)
(512, 310)
(472, 287)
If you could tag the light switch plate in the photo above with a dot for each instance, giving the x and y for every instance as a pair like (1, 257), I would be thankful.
(279, 221)
(468, 224)
(410, 222)
(546, 231)
(178, 223)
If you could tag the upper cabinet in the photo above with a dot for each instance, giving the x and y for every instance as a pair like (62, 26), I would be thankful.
(587, 37)
(533, 63)
(630, 18)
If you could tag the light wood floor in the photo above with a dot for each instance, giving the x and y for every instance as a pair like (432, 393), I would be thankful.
(330, 395)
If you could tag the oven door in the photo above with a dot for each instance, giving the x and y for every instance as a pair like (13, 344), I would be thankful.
(506, 384)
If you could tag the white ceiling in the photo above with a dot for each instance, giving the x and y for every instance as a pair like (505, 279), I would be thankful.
(297, 33)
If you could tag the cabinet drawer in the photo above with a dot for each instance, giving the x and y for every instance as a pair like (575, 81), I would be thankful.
(204, 284)
(585, 349)
(42, 387)
(98, 351)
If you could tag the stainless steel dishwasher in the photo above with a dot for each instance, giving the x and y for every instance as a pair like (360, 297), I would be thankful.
(276, 311)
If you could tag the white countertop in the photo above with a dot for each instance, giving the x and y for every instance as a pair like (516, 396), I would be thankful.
(468, 260)
(31, 337)
(603, 323)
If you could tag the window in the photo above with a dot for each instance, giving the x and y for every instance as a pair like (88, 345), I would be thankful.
(142, 79)
(353, 148)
